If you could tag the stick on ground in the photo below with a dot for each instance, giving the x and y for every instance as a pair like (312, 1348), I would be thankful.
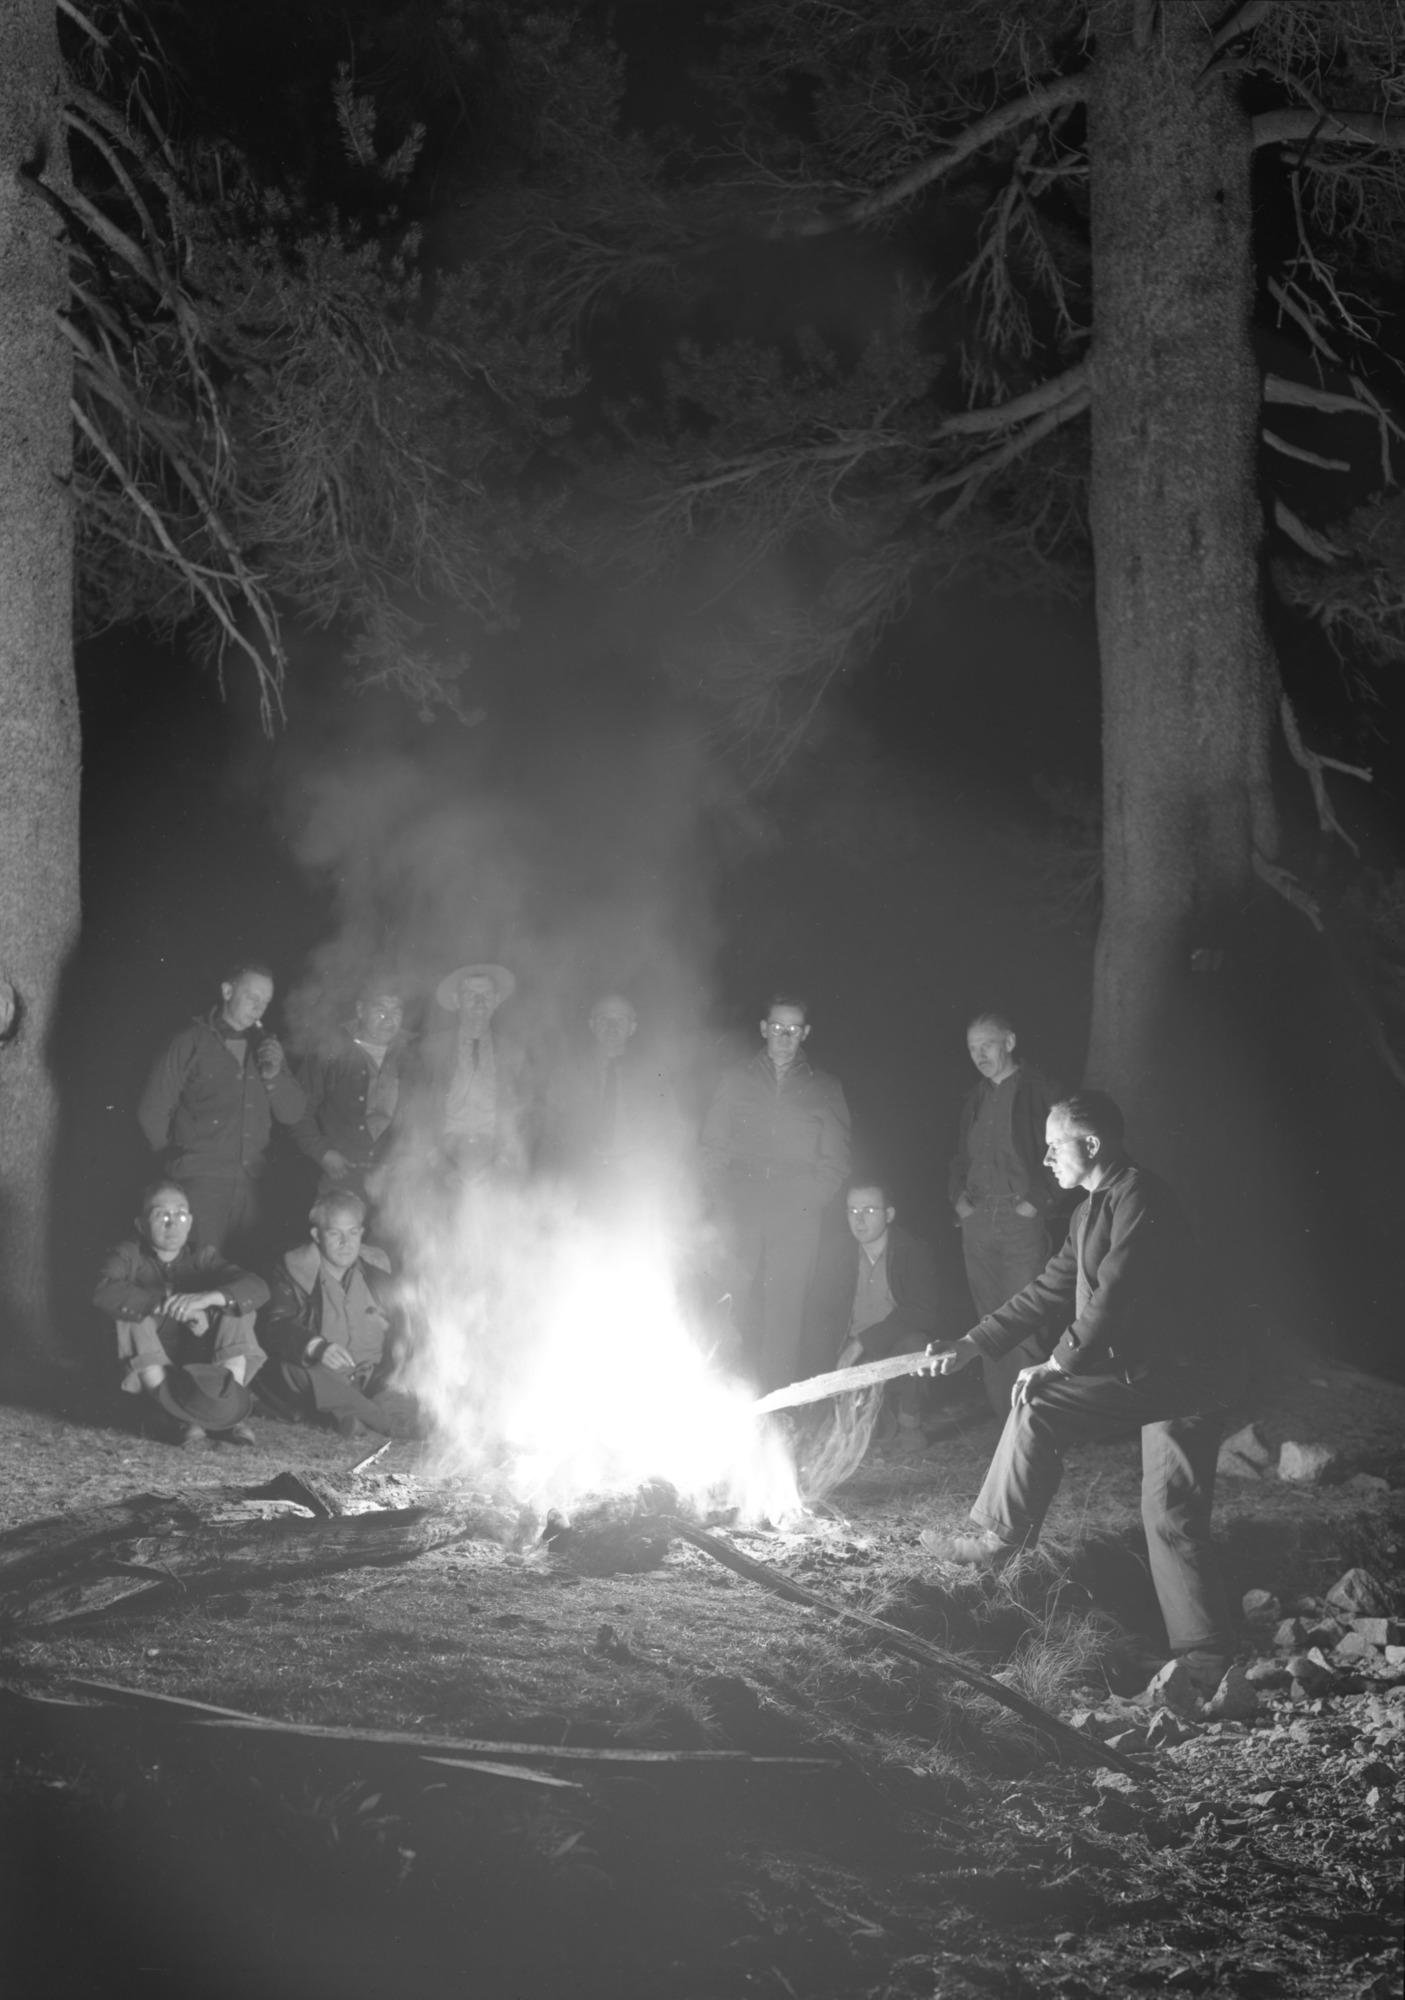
(894, 1640)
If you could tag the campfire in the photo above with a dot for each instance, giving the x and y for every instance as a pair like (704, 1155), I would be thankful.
(558, 1357)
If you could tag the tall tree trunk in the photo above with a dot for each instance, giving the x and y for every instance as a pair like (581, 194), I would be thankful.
(1187, 677)
(39, 746)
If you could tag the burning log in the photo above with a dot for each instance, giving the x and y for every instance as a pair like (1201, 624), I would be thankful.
(894, 1640)
(842, 1382)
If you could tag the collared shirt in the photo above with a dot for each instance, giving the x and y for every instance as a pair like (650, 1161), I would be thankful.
(471, 1109)
(873, 1298)
(995, 1169)
(382, 1088)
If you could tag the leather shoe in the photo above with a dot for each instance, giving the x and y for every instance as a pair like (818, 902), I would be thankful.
(190, 1437)
(982, 1546)
(238, 1434)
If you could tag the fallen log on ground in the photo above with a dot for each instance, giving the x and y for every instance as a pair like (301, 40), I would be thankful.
(148, 1573)
(894, 1640)
(842, 1382)
(204, 1718)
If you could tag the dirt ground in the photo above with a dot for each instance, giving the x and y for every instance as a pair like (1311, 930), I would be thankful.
(942, 1849)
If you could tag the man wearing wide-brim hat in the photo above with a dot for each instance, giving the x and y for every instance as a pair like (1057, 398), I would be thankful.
(477, 1098)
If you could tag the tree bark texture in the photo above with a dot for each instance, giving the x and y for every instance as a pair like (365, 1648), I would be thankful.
(1188, 681)
(39, 740)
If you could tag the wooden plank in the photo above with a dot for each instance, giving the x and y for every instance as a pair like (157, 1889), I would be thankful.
(894, 1640)
(540, 1753)
(842, 1382)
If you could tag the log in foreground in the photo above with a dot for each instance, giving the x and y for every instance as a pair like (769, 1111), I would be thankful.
(842, 1382)
(893, 1639)
(205, 1716)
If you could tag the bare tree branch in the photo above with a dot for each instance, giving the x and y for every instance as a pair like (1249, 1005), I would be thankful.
(1058, 389)
(1385, 129)
(1285, 884)
(1050, 97)
(1307, 539)
(1307, 457)
(971, 477)
(1315, 764)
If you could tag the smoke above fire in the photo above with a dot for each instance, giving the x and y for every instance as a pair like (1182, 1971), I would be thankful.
(564, 1344)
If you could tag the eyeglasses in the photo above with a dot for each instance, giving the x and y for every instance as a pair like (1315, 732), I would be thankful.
(785, 1027)
(870, 1208)
(169, 1215)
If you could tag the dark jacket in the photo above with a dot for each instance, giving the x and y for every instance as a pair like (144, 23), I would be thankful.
(134, 1283)
(1121, 1298)
(912, 1280)
(208, 1114)
(336, 1085)
(1028, 1115)
(293, 1329)
(794, 1126)
(648, 1124)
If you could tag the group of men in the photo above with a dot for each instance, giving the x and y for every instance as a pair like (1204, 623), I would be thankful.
(1107, 1334)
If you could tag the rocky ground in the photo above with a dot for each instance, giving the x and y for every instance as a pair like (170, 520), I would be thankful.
(941, 1848)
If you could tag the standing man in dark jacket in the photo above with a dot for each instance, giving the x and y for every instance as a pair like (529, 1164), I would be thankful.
(875, 1293)
(1129, 1335)
(209, 1106)
(356, 1092)
(776, 1148)
(999, 1186)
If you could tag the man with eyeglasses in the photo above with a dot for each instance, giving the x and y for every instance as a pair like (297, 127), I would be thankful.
(184, 1321)
(335, 1328)
(876, 1293)
(776, 1150)
(999, 1186)
(1128, 1338)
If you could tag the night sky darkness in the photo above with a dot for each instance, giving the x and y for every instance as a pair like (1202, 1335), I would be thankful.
(580, 834)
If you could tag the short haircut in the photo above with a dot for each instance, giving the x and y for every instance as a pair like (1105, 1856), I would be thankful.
(858, 1182)
(242, 965)
(788, 1000)
(1001, 1023)
(153, 1188)
(1092, 1112)
(328, 1205)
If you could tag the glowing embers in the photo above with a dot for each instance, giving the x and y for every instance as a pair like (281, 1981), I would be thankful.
(556, 1347)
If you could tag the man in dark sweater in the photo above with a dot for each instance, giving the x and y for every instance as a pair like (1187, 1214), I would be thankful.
(875, 1293)
(210, 1103)
(999, 1186)
(1130, 1341)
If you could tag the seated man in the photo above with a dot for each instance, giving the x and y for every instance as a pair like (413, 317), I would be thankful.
(333, 1329)
(185, 1322)
(875, 1293)
(1130, 1340)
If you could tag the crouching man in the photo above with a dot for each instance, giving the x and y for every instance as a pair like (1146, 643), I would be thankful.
(335, 1329)
(1130, 1340)
(185, 1323)
(875, 1293)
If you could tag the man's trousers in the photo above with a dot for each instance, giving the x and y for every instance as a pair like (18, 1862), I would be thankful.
(774, 1241)
(1004, 1251)
(1181, 1414)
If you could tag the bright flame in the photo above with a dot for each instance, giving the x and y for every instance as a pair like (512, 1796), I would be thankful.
(557, 1346)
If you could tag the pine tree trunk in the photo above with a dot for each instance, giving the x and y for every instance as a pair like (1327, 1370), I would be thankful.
(1187, 677)
(39, 745)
